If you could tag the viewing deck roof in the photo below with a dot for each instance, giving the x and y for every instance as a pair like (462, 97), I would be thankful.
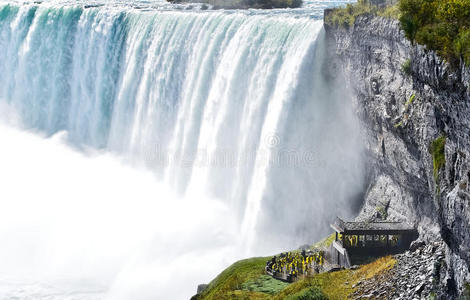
(361, 228)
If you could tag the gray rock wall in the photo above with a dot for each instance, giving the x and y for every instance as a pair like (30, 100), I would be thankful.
(402, 114)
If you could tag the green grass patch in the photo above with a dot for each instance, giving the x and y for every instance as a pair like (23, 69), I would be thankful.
(246, 280)
(312, 293)
(338, 285)
(438, 155)
(410, 101)
(233, 278)
(297, 287)
(325, 243)
(264, 284)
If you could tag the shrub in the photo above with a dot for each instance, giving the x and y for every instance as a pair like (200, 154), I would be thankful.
(440, 25)
(406, 67)
(312, 293)
(391, 12)
(346, 16)
(462, 45)
(438, 155)
(410, 101)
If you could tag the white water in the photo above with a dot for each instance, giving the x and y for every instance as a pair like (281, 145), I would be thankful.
(237, 146)
(76, 226)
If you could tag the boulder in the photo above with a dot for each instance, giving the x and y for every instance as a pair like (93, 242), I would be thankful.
(418, 244)
(201, 288)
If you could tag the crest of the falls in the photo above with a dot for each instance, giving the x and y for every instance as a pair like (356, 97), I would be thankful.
(228, 105)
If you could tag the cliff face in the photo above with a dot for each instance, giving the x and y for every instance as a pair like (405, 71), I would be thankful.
(407, 98)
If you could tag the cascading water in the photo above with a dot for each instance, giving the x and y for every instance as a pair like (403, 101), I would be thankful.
(228, 109)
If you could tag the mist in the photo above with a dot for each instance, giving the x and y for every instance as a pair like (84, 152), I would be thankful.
(318, 170)
(145, 151)
(79, 225)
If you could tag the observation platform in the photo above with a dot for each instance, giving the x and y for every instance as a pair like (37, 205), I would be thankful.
(355, 242)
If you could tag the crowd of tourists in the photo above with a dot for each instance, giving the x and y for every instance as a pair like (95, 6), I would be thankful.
(290, 265)
(360, 241)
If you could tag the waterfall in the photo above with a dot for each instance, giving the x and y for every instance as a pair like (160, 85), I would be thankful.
(231, 105)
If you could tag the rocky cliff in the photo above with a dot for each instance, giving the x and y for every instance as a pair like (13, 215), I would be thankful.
(415, 112)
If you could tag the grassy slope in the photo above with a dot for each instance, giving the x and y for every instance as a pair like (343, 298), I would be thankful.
(228, 285)
(245, 280)
(326, 242)
(346, 16)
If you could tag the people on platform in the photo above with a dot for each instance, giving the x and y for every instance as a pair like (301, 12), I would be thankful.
(290, 265)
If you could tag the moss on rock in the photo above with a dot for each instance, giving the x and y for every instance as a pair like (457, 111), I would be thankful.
(438, 156)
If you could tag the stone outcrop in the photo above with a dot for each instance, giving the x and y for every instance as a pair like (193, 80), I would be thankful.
(406, 98)
(416, 275)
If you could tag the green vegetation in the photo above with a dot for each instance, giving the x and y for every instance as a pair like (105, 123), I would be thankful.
(406, 67)
(466, 291)
(246, 280)
(339, 285)
(232, 279)
(382, 211)
(438, 155)
(264, 284)
(391, 12)
(440, 25)
(346, 16)
(326, 242)
(405, 115)
(312, 293)
(462, 45)
(410, 101)
(399, 124)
